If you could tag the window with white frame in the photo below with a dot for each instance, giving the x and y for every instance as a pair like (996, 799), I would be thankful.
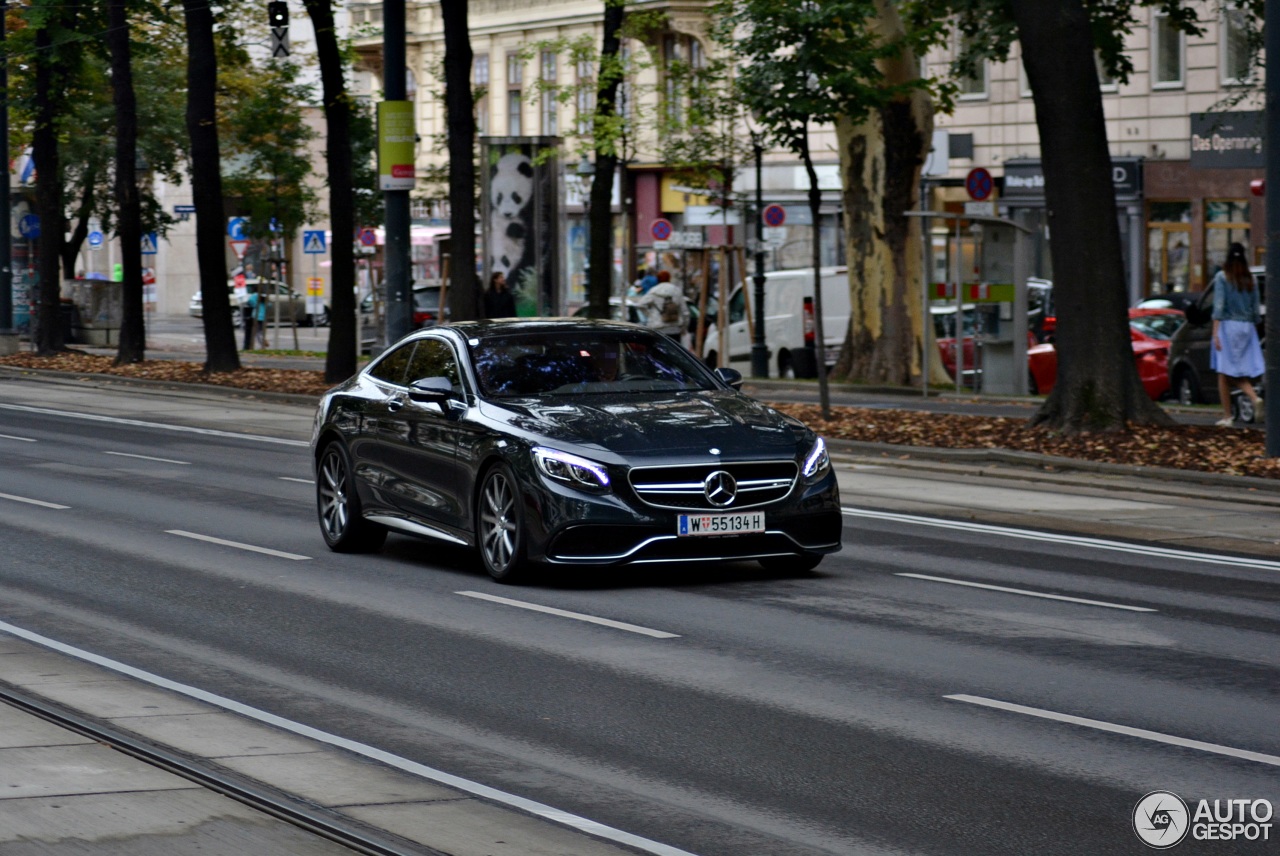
(515, 94)
(549, 104)
(1167, 43)
(480, 81)
(585, 98)
(971, 86)
(1106, 80)
(1237, 66)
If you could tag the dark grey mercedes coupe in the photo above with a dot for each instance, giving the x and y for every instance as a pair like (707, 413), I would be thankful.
(568, 442)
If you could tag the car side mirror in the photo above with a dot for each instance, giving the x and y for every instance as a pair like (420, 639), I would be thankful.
(431, 390)
(732, 377)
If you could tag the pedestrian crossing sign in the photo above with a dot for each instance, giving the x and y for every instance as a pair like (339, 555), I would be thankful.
(149, 247)
(313, 242)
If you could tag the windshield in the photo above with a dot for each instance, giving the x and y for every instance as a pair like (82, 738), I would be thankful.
(584, 362)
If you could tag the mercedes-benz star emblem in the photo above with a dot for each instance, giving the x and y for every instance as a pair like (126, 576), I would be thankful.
(720, 488)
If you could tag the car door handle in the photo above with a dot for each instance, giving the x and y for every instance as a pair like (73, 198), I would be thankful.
(395, 404)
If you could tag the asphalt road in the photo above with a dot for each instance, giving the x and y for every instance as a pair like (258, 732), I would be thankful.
(868, 708)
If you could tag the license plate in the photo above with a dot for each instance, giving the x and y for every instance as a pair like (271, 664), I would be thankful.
(720, 524)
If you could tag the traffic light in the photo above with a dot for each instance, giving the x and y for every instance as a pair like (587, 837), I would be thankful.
(278, 14)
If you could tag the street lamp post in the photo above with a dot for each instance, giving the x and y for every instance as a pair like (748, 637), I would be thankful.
(759, 351)
(586, 172)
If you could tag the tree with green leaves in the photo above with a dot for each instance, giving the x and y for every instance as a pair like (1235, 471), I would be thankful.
(55, 58)
(1062, 43)
(206, 187)
(805, 64)
(341, 359)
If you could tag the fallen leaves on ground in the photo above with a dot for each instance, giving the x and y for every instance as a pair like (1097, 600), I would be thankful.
(1184, 447)
(176, 371)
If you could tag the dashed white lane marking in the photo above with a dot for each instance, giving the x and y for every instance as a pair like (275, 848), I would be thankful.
(29, 501)
(148, 458)
(555, 815)
(238, 545)
(182, 429)
(1025, 592)
(1100, 725)
(1074, 540)
(292, 479)
(19, 439)
(576, 616)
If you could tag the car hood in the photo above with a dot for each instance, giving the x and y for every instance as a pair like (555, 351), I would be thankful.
(683, 423)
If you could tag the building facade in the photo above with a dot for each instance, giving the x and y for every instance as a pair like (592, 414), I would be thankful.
(1186, 140)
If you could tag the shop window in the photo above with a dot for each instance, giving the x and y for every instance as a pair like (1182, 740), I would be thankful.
(1167, 43)
(1168, 246)
(1226, 221)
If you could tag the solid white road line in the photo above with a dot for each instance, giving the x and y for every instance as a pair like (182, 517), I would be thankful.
(1027, 593)
(546, 812)
(20, 439)
(182, 429)
(239, 546)
(576, 616)
(1074, 540)
(1142, 733)
(148, 458)
(38, 502)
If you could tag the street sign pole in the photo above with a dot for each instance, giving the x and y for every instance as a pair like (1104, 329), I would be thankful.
(399, 287)
(759, 351)
(1271, 365)
(8, 335)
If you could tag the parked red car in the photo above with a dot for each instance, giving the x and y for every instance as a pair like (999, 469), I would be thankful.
(1149, 331)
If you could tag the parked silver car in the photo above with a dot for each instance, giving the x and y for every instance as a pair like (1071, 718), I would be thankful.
(293, 306)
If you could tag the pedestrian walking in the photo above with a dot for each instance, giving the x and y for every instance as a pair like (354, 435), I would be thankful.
(499, 302)
(1236, 355)
(665, 309)
(256, 325)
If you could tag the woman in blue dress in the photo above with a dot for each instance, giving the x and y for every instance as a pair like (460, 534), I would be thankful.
(1236, 355)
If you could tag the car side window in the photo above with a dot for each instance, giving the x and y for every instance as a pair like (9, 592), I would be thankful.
(391, 368)
(434, 358)
(737, 307)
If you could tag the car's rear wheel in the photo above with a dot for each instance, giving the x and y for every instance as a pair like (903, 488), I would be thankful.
(1188, 390)
(344, 528)
(500, 525)
(800, 564)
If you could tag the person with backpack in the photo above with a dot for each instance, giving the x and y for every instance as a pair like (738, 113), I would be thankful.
(665, 308)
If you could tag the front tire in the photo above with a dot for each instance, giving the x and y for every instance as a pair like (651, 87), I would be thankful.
(338, 506)
(500, 525)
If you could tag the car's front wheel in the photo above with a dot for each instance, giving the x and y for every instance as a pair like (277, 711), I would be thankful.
(500, 525)
(344, 528)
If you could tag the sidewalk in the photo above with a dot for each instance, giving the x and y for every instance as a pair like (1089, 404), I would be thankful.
(62, 792)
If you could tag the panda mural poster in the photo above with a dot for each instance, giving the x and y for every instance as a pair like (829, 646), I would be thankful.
(397, 142)
(519, 220)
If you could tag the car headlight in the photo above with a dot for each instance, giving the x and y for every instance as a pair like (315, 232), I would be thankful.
(818, 462)
(570, 469)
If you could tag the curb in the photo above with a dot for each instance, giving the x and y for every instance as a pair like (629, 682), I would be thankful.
(1036, 461)
(104, 380)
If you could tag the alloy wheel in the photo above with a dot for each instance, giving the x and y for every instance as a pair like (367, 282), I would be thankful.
(500, 534)
(335, 511)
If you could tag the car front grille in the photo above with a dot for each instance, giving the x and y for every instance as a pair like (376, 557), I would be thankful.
(683, 488)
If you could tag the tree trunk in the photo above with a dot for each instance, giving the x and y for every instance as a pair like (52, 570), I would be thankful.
(819, 336)
(342, 358)
(133, 334)
(206, 189)
(49, 337)
(1097, 387)
(600, 215)
(71, 248)
(464, 289)
(880, 162)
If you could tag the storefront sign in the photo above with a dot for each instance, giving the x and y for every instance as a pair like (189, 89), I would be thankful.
(1025, 178)
(1228, 140)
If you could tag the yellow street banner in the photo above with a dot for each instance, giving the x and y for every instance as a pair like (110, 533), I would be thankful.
(396, 144)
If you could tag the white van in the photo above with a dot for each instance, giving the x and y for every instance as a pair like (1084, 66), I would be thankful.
(784, 322)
